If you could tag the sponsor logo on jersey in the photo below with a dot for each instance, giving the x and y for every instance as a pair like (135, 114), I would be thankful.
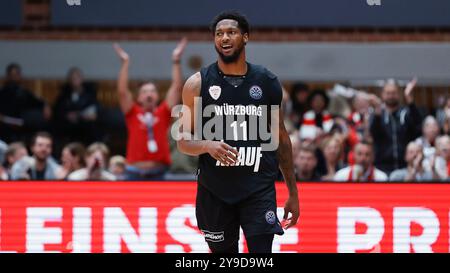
(215, 91)
(239, 110)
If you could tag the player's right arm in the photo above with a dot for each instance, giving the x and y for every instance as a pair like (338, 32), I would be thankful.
(123, 92)
(187, 144)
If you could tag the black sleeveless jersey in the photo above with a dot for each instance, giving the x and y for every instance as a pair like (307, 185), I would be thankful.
(239, 116)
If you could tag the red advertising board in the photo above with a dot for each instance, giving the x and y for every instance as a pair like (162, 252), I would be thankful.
(160, 217)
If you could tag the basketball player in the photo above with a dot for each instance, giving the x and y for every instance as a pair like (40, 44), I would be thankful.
(236, 176)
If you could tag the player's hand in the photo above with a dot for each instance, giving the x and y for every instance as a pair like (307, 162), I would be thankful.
(408, 90)
(178, 51)
(222, 152)
(291, 206)
(123, 55)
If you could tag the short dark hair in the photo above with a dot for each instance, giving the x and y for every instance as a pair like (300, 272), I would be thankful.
(77, 149)
(366, 142)
(72, 71)
(40, 134)
(232, 15)
(11, 67)
(299, 87)
(321, 93)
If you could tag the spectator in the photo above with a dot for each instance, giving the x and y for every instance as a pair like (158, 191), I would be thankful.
(414, 171)
(441, 162)
(340, 99)
(363, 169)
(3, 171)
(333, 153)
(299, 97)
(76, 110)
(14, 153)
(72, 159)
(117, 166)
(443, 116)
(359, 118)
(286, 108)
(182, 165)
(40, 166)
(339, 105)
(96, 159)
(305, 164)
(430, 131)
(316, 121)
(20, 110)
(148, 153)
(393, 126)
(346, 135)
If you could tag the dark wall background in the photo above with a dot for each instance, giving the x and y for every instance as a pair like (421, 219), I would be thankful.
(10, 12)
(262, 13)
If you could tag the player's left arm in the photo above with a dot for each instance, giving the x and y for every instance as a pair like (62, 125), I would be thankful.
(173, 96)
(284, 154)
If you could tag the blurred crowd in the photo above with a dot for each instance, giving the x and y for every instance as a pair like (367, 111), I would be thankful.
(341, 134)
(344, 134)
(72, 120)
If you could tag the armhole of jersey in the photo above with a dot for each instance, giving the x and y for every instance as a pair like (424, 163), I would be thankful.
(276, 96)
(203, 72)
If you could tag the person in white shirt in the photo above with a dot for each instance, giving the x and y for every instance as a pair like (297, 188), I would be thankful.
(363, 169)
(440, 164)
(430, 132)
(414, 171)
(96, 163)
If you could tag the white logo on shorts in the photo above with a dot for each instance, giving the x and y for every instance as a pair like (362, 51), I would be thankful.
(270, 217)
(213, 236)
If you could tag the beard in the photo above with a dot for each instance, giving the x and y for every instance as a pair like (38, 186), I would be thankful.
(41, 157)
(230, 58)
(392, 103)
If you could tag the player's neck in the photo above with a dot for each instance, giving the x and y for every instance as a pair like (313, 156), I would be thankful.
(235, 68)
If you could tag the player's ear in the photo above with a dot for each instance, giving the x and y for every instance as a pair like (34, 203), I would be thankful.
(245, 38)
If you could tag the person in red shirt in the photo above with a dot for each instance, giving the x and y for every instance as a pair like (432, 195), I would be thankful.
(148, 153)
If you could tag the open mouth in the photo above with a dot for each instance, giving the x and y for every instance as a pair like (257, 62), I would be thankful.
(227, 48)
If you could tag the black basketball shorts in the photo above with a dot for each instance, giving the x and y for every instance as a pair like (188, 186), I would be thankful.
(219, 221)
